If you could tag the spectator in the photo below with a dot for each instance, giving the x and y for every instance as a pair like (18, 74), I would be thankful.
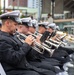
(50, 19)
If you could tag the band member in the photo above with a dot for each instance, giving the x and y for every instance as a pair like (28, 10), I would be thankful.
(29, 55)
(51, 27)
(42, 27)
(58, 53)
(32, 26)
(12, 51)
(36, 61)
(57, 28)
(24, 26)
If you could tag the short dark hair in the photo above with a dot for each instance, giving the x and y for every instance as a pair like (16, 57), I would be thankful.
(49, 14)
(41, 25)
(4, 20)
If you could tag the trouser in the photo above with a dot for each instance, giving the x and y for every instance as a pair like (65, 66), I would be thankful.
(22, 72)
(29, 72)
(45, 65)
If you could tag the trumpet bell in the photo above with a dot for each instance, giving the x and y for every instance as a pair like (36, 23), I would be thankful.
(38, 49)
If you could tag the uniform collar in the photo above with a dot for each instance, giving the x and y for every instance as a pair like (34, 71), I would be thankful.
(5, 33)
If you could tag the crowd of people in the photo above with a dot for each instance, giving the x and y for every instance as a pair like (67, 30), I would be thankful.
(25, 51)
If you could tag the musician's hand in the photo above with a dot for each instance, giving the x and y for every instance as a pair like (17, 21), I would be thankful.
(38, 39)
(29, 40)
(29, 33)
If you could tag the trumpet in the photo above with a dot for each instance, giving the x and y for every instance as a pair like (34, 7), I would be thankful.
(38, 47)
(51, 42)
(56, 43)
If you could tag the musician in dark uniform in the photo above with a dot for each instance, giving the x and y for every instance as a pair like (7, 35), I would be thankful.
(32, 26)
(42, 27)
(12, 51)
(33, 56)
(60, 53)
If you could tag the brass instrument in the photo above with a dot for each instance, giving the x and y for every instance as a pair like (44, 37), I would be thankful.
(51, 42)
(56, 43)
(38, 47)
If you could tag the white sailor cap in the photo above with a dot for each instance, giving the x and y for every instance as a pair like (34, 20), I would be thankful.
(44, 24)
(14, 15)
(57, 28)
(26, 21)
(34, 23)
(52, 25)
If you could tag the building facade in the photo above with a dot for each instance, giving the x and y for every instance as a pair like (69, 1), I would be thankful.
(32, 3)
(20, 3)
